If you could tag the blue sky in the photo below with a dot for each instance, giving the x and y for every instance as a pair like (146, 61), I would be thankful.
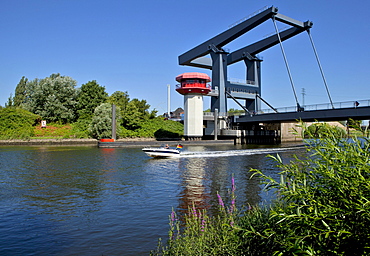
(134, 46)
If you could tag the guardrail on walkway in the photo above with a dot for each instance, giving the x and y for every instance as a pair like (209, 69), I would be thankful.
(324, 106)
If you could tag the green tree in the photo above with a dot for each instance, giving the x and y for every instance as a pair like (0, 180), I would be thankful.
(101, 124)
(132, 117)
(10, 102)
(53, 98)
(120, 99)
(232, 112)
(143, 109)
(135, 113)
(141, 106)
(90, 96)
(21, 92)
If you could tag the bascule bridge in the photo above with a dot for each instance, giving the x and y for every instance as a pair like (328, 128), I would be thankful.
(213, 56)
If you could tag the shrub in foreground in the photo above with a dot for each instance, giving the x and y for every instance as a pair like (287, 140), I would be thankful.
(322, 208)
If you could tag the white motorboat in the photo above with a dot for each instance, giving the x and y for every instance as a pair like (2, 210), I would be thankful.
(163, 151)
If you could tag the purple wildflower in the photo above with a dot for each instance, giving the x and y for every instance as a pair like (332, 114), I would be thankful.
(233, 188)
(202, 225)
(233, 202)
(172, 224)
(195, 211)
(232, 208)
(220, 202)
(173, 219)
(232, 184)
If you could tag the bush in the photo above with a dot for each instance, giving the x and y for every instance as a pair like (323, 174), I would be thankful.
(17, 123)
(323, 206)
(317, 130)
(125, 133)
(155, 128)
(101, 124)
(80, 129)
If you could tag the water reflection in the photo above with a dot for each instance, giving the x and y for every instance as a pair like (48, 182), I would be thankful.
(193, 184)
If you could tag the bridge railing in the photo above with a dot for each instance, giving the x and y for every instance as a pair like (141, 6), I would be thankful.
(221, 114)
(324, 106)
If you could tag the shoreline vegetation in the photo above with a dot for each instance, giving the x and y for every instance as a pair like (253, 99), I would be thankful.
(57, 134)
(86, 112)
(54, 133)
(322, 207)
(128, 142)
(74, 112)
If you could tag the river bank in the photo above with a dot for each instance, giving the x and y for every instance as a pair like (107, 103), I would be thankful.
(35, 142)
(136, 142)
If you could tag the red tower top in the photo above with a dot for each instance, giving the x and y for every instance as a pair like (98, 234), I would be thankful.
(193, 82)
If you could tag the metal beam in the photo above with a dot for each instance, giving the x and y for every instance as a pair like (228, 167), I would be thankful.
(244, 108)
(289, 21)
(268, 104)
(202, 62)
(247, 88)
(227, 36)
(264, 44)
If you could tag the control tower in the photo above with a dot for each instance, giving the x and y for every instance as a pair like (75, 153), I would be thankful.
(193, 86)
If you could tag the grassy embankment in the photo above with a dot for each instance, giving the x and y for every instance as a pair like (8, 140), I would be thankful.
(53, 131)
(58, 131)
(17, 123)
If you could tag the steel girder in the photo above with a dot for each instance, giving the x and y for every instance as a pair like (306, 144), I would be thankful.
(195, 57)
(220, 59)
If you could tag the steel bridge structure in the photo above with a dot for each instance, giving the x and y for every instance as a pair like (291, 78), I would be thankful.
(213, 56)
(220, 59)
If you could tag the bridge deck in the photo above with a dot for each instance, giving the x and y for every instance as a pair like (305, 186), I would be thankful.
(359, 113)
(319, 112)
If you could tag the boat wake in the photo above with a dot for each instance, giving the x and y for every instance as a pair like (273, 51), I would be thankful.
(241, 152)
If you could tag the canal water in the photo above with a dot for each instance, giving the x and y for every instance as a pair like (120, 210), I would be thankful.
(116, 201)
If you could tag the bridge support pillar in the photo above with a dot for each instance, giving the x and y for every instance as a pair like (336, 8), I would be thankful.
(219, 79)
(287, 132)
(253, 65)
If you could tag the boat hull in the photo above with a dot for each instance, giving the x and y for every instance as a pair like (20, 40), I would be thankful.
(161, 152)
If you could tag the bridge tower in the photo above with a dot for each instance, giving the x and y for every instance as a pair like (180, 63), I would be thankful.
(193, 86)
